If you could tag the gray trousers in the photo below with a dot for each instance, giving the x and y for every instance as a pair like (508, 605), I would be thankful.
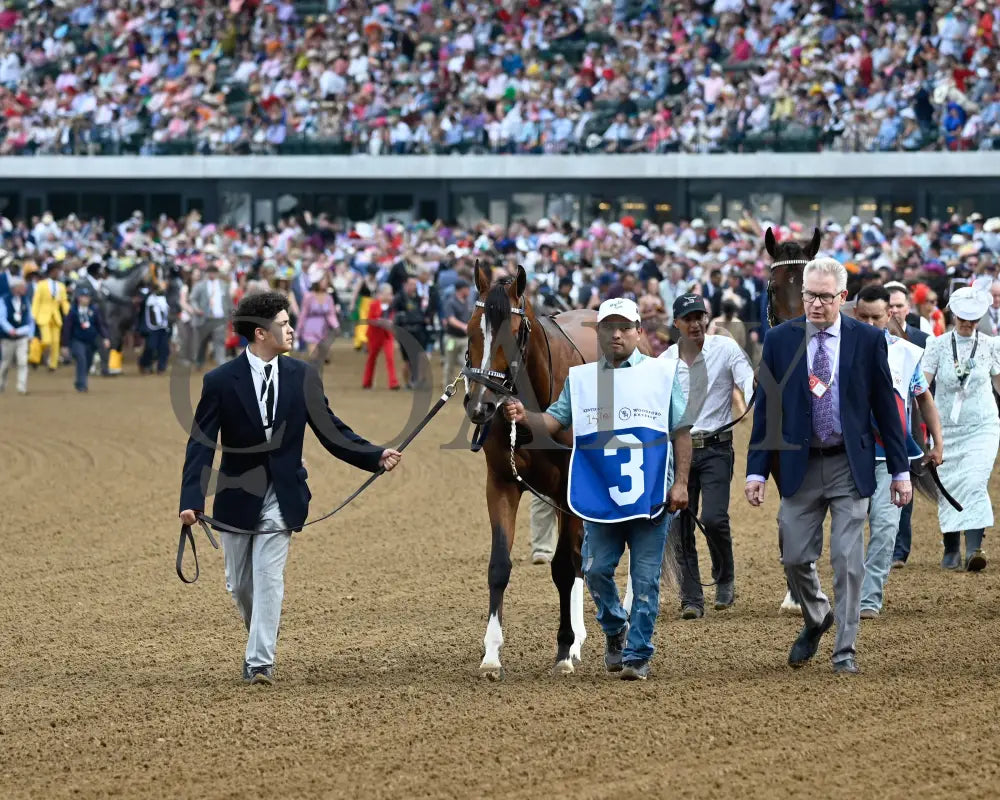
(211, 331)
(14, 351)
(544, 528)
(255, 576)
(828, 485)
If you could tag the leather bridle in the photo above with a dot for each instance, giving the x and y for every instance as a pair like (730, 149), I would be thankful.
(772, 319)
(504, 383)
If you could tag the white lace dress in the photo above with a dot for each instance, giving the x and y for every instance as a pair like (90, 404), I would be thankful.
(971, 431)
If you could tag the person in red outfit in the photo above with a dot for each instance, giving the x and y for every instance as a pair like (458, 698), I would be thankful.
(380, 338)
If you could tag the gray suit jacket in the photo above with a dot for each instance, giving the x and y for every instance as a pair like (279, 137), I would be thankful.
(200, 299)
(986, 325)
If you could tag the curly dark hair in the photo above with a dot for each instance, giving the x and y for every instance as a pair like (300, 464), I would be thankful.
(256, 310)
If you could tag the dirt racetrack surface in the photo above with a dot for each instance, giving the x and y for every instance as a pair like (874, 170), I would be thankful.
(117, 679)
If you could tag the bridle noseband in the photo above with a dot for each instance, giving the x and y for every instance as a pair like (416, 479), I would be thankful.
(503, 383)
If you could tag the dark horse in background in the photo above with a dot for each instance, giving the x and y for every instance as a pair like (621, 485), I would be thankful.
(514, 352)
(121, 298)
(784, 288)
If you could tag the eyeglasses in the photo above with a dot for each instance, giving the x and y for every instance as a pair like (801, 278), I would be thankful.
(824, 298)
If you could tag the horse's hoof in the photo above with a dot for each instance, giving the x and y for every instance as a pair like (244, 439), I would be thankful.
(492, 672)
(564, 667)
(575, 658)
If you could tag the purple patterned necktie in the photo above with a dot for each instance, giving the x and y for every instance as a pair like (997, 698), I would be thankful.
(822, 407)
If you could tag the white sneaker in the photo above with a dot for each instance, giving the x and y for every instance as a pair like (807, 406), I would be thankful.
(789, 605)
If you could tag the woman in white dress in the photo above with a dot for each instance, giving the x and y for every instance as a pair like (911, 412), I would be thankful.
(966, 366)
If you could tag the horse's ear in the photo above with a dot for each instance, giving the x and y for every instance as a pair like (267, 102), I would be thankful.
(522, 281)
(813, 248)
(769, 242)
(482, 279)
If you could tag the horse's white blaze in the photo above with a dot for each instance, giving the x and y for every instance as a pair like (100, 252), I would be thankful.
(487, 342)
(493, 641)
(576, 619)
(627, 605)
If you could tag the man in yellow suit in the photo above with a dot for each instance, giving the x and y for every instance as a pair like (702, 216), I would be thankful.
(48, 307)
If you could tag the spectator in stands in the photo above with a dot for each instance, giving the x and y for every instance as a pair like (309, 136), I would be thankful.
(374, 78)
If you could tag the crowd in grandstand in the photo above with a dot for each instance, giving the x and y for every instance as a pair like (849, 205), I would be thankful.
(420, 276)
(247, 76)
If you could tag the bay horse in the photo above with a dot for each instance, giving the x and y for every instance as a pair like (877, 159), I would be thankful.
(513, 352)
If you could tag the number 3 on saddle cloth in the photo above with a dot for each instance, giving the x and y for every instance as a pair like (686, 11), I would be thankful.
(622, 466)
(904, 359)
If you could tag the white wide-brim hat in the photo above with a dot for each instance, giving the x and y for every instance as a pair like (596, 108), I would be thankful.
(969, 303)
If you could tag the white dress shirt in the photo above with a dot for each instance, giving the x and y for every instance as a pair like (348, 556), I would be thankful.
(270, 510)
(215, 308)
(727, 367)
(260, 383)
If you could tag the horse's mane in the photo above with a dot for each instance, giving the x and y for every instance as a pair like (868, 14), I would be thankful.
(496, 305)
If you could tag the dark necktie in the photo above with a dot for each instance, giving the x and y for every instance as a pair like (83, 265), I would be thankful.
(269, 388)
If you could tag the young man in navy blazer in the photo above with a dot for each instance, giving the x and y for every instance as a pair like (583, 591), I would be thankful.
(261, 403)
(822, 378)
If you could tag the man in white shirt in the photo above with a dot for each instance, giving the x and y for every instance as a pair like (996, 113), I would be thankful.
(709, 368)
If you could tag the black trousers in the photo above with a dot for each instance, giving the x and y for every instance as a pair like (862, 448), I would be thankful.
(708, 488)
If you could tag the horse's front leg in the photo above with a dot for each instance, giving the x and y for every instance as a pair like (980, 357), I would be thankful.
(567, 574)
(502, 500)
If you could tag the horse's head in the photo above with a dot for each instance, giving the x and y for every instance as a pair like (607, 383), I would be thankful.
(788, 259)
(498, 342)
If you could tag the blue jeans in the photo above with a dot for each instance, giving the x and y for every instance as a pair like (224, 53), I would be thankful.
(603, 546)
(905, 535)
(158, 349)
(83, 355)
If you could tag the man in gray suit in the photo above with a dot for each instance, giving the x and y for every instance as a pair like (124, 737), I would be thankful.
(213, 304)
(828, 375)
(990, 323)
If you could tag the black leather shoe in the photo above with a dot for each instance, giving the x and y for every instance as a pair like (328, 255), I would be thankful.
(725, 596)
(613, 648)
(246, 672)
(846, 667)
(807, 644)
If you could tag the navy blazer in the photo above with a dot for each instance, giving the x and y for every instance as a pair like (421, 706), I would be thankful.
(228, 405)
(917, 336)
(865, 387)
